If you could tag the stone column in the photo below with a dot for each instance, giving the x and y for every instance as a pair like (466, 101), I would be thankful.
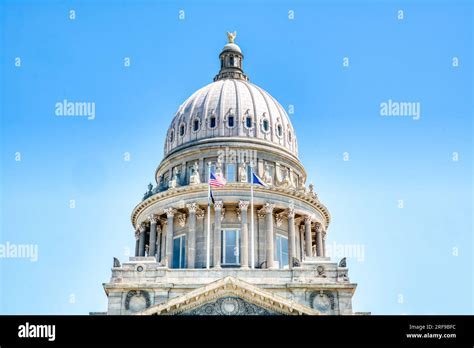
(269, 234)
(291, 237)
(307, 232)
(324, 244)
(137, 242)
(244, 235)
(158, 242)
(217, 233)
(141, 243)
(169, 236)
(163, 241)
(301, 236)
(191, 255)
(152, 244)
(319, 240)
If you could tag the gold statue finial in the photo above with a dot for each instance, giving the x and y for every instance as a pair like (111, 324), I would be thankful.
(231, 36)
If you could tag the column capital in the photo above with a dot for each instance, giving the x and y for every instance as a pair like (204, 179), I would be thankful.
(152, 218)
(243, 205)
(192, 207)
(307, 219)
(142, 227)
(291, 213)
(170, 212)
(268, 207)
(137, 234)
(319, 226)
(218, 205)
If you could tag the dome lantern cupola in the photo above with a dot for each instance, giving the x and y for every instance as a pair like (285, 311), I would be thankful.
(231, 59)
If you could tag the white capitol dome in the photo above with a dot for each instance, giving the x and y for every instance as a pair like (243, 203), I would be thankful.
(233, 108)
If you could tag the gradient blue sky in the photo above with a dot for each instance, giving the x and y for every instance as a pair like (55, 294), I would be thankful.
(408, 251)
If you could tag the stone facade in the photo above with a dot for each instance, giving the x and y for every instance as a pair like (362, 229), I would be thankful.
(192, 257)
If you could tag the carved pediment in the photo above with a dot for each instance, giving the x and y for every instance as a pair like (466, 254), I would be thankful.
(229, 296)
(230, 305)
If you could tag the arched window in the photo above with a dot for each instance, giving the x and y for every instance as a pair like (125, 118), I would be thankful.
(212, 122)
(266, 125)
(279, 130)
(230, 121)
(171, 136)
(195, 125)
(248, 122)
(181, 130)
(231, 60)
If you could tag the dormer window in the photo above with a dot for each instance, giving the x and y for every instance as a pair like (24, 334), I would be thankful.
(171, 136)
(181, 130)
(279, 130)
(230, 121)
(289, 137)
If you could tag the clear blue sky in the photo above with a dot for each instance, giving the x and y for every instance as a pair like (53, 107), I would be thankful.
(408, 251)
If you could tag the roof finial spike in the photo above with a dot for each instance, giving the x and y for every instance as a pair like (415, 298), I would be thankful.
(231, 36)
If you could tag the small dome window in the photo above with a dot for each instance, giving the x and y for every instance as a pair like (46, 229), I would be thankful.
(266, 125)
(212, 122)
(279, 130)
(171, 136)
(248, 122)
(181, 130)
(230, 121)
(196, 125)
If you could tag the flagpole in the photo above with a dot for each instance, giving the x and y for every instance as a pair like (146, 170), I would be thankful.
(208, 254)
(252, 237)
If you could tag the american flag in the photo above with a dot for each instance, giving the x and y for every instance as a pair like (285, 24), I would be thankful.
(217, 180)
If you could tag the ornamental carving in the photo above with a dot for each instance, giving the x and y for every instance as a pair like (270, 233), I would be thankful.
(279, 219)
(200, 213)
(291, 213)
(323, 301)
(192, 207)
(243, 205)
(195, 178)
(153, 219)
(243, 172)
(229, 306)
(137, 300)
(182, 220)
(222, 214)
(268, 208)
(170, 212)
